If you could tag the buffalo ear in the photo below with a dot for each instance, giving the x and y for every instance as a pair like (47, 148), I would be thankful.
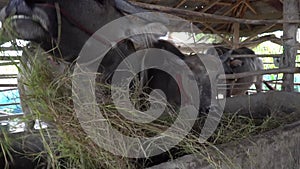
(236, 63)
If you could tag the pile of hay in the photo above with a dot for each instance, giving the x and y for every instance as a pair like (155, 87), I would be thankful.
(48, 96)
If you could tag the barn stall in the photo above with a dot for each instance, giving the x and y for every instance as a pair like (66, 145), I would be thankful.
(245, 24)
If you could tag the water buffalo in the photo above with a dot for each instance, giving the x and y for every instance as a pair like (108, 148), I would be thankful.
(37, 21)
(203, 81)
(239, 65)
(55, 25)
(194, 61)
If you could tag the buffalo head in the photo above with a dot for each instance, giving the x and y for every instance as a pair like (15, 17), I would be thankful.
(63, 25)
(31, 21)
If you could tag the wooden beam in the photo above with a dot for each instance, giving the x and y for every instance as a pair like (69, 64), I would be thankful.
(270, 104)
(245, 32)
(212, 24)
(187, 13)
(240, 10)
(180, 4)
(155, 1)
(250, 7)
(278, 41)
(254, 56)
(262, 72)
(267, 27)
(216, 32)
(234, 7)
(290, 12)
(224, 3)
(259, 40)
(236, 35)
(211, 4)
(280, 82)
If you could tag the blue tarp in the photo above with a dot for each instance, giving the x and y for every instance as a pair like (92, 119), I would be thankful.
(8, 97)
(273, 77)
(297, 80)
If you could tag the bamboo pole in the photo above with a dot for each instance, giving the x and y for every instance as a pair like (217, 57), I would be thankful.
(256, 73)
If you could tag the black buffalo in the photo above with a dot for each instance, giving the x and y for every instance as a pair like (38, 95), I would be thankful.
(65, 34)
(239, 65)
(37, 21)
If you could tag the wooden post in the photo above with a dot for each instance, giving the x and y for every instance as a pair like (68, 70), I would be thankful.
(236, 35)
(290, 12)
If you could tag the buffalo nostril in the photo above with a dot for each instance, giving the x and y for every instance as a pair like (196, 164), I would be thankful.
(12, 6)
(17, 7)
